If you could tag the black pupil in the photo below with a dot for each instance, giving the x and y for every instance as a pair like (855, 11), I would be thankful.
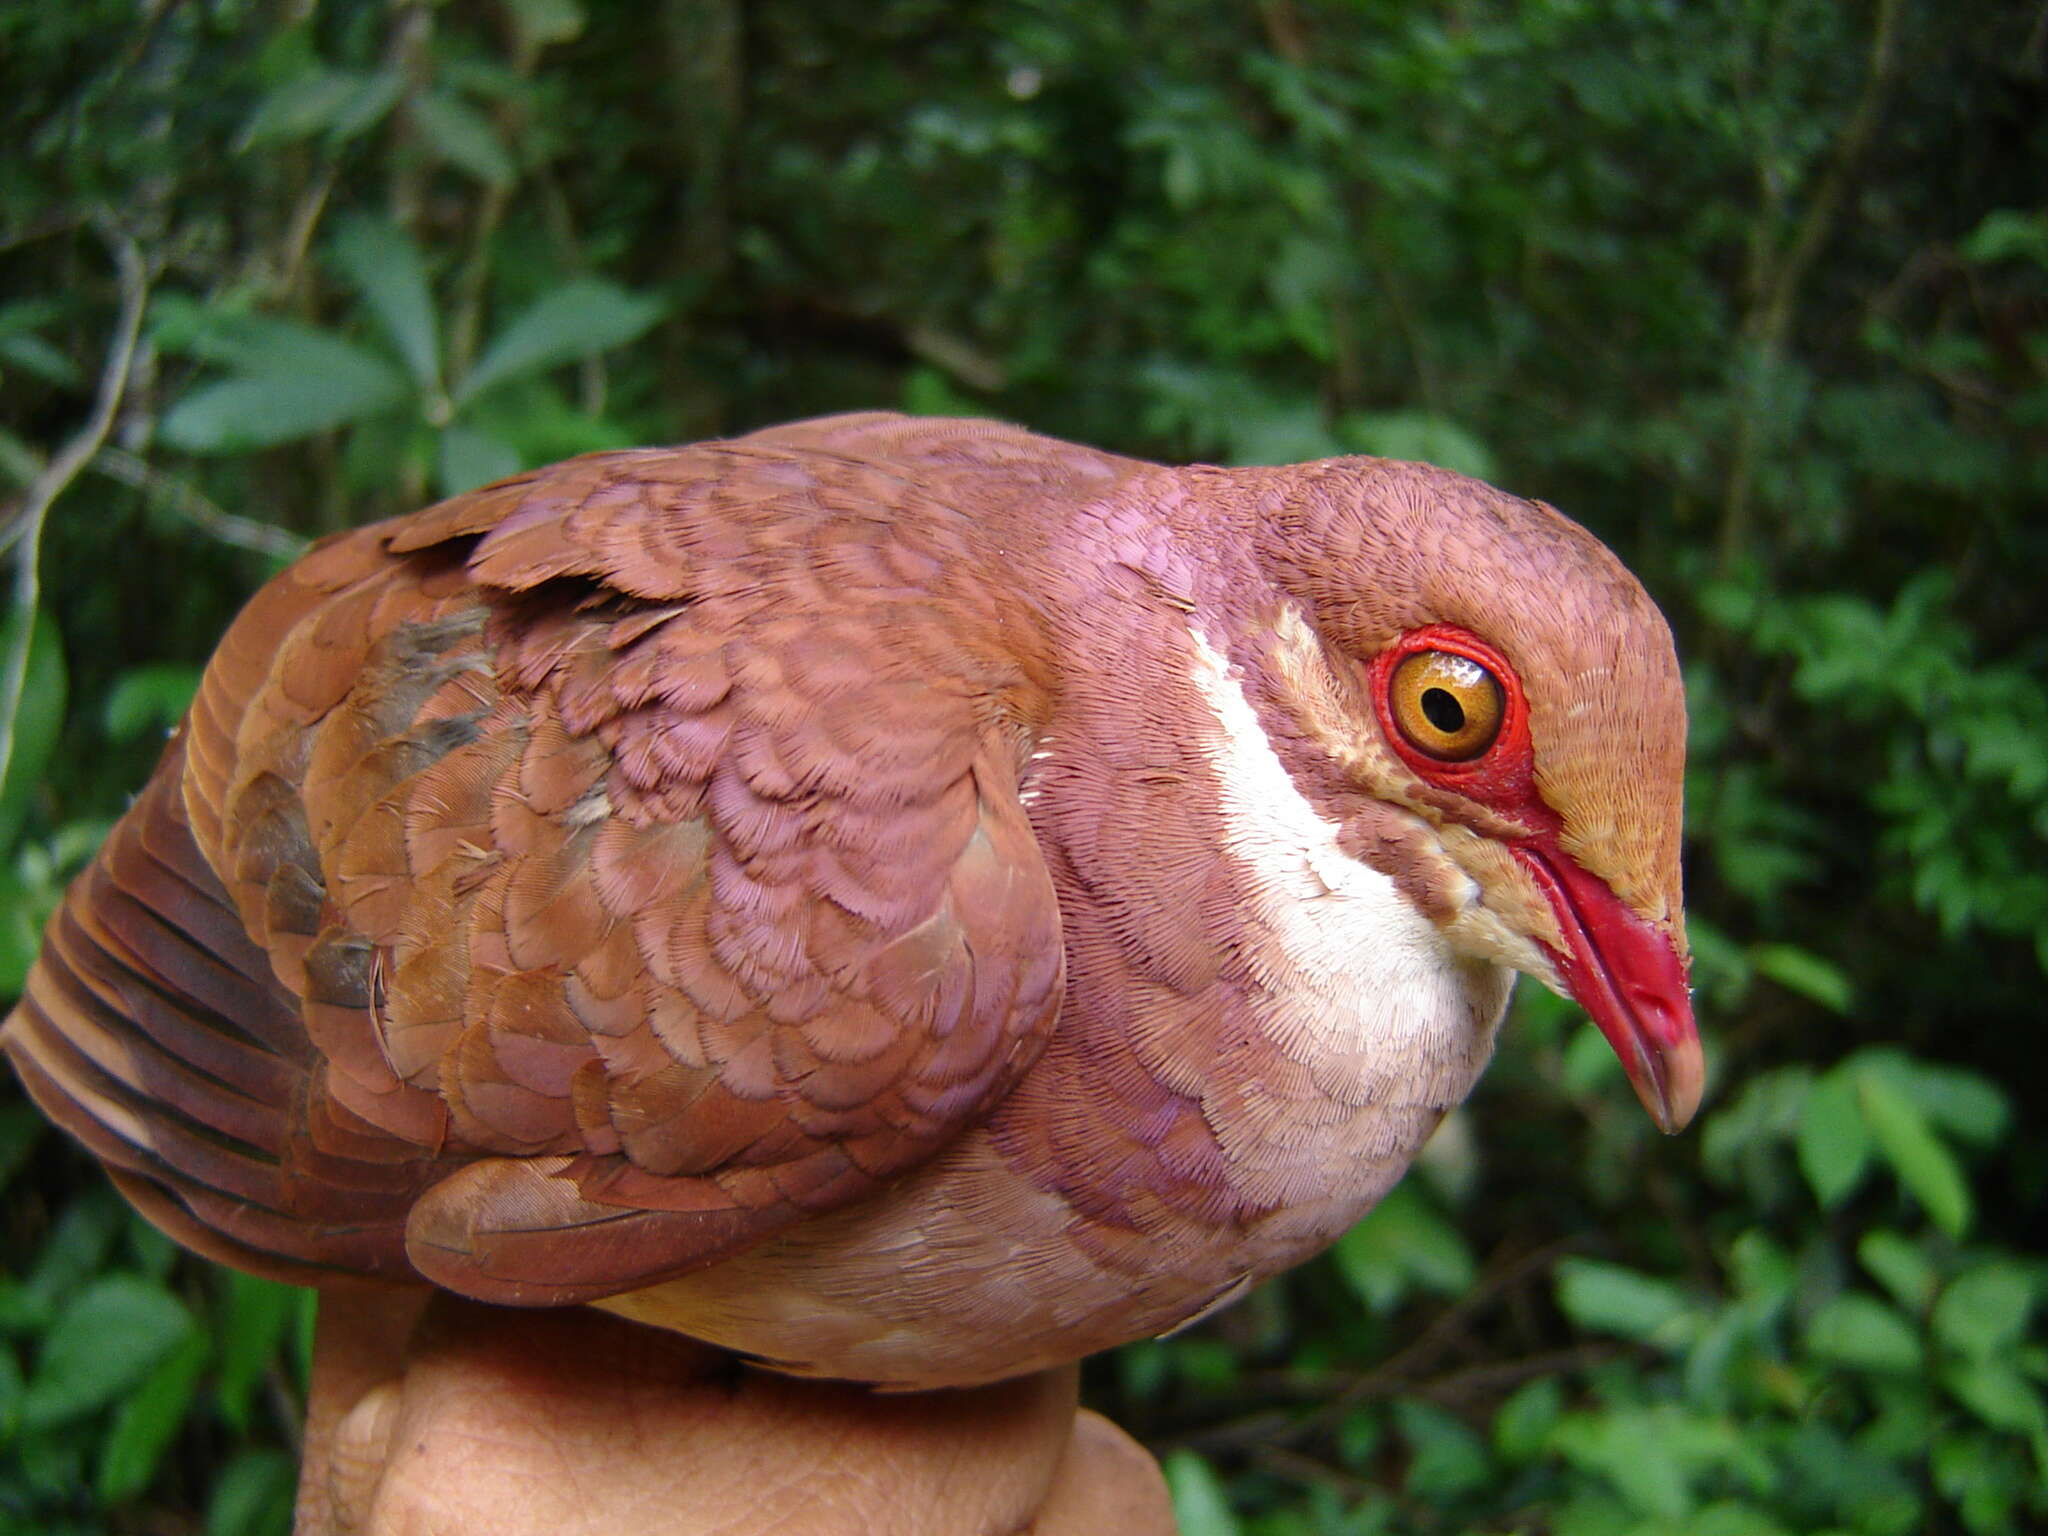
(1444, 711)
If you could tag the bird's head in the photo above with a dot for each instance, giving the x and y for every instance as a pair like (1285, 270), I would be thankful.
(1506, 696)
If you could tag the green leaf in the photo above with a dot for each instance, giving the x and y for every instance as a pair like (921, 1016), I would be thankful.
(340, 103)
(2008, 234)
(1591, 1069)
(1859, 1330)
(75, 1248)
(376, 93)
(22, 317)
(103, 1341)
(1359, 1437)
(299, 107)
(1763, 1272)
(1744, 1139)
(266, 345)
(1143, 1368)
(1207, 1365)
(1900, 1267)
(151, 698)
(1610, 1299)
(19, 462)
(1631, 1450)
(1300, 277)
(259, 344)
(38, 719)
(152, 1252)
(463, 137)
(23, 912)
(1735, 1518)
(1447, 1460)
(1801, 971)
(2000, 1396)
(541, 23)
(1283, 432)
(1923, 1164)
(545, 426)
(1984, 1482)
(1200, 1506)
(253, 1327)
(153, 1413)
(1984, 1311)
(928, 392)
(260, 412)
(1713, 1356)
(1834, 1142)
(1420, 436)
(467, 459)
(1404, 1241)
(576, 320)
(1965, 1105)
(33, 355)
(253, 1497)
(386, 268)
(1525, 1420)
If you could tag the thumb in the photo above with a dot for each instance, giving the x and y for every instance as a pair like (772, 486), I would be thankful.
(357, 1455)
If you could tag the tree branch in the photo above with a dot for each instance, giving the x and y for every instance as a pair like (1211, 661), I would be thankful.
(58, 474)
(188, 502)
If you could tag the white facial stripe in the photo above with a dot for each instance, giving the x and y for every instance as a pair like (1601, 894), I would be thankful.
(1477, 932)
(1386, 977)
(1294, 850)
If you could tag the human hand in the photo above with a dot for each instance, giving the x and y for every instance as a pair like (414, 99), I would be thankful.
(574, 1423)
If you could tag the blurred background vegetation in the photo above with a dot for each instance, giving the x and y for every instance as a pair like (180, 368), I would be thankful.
(1758, 289)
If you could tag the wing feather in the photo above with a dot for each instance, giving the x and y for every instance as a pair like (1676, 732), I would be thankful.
(580, 881)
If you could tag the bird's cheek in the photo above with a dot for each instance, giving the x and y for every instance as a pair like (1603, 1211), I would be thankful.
(1506, 920)
(1408, 851)
(1455, 892)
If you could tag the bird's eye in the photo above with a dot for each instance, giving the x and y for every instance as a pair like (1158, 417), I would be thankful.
(1447, 706)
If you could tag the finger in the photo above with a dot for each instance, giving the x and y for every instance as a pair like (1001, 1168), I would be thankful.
(360, 1340)
(511, 1422)
(1106, 1482)
(945, 1463)
(357, 1455)
(569, 1422)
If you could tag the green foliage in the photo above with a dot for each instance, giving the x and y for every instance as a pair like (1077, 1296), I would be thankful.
(1812, 1375)
(1759, 293)
(1406, 1245)
(111, 1354)
(287, 381)
(44, 685)
(1201, 1506)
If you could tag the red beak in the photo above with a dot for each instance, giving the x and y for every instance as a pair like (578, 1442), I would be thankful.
(1629, 977)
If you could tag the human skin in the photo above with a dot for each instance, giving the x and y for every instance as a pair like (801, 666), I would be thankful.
(451, 1418)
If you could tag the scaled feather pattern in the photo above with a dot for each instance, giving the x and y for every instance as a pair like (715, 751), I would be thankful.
(906, 900)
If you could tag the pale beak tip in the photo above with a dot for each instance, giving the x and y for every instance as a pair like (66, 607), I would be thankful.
(1672, 1083)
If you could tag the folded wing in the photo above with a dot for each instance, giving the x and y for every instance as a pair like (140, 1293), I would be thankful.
(568, 886)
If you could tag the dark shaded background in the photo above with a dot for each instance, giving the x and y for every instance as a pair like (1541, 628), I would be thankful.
(1757, 291)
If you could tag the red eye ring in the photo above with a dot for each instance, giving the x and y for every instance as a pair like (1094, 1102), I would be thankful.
(1501, 776)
